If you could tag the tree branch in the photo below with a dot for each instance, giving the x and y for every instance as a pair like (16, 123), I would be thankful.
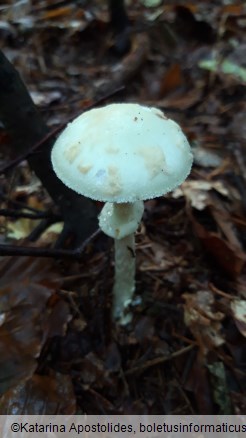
(6, 212)
(12, 250)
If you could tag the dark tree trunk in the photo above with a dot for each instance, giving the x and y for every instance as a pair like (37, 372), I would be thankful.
(118, 16)
(120, 24)
(26, 127)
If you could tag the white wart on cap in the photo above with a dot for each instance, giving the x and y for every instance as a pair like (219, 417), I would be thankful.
(122, 153)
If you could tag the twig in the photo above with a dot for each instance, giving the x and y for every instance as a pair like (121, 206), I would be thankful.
(55, 131)
(22, 214)
(158, 360)
(18, 204)
(12, 250)
(133, 62)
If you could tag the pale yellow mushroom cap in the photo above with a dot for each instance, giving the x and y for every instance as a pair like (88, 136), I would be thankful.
(122, 153)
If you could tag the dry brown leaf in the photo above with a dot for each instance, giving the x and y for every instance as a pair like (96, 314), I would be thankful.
(233, 9)
(203, 321)
(224, 222)
(58, 13)
(172, 80)
(227, 255)
(197, 192)
(40, 395)
(27, 317)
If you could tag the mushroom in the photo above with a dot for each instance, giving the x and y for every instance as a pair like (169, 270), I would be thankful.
(122, 154)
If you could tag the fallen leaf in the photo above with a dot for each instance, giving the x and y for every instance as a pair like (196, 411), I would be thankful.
(220, 388)
(232, 9)
(26, 286)
(21, 228)
(40, 395)
(226, 67)
(172, 80)
(197, 192)
(203, 321)
(57, 13)
(238, 308)
(206, 158)
(45, 98)
(231, 258)
(151, 3)
(197, 382)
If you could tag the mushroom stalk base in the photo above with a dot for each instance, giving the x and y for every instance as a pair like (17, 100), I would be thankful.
(124, 285)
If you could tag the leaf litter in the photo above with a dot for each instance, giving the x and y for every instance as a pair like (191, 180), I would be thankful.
(183, 352)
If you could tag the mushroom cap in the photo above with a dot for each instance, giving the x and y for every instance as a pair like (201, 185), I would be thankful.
(122, 153)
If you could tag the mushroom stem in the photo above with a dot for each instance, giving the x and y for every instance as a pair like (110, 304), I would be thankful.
(124, 285)
(120, 221)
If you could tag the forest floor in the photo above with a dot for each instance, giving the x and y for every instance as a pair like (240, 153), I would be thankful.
(183, 351)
